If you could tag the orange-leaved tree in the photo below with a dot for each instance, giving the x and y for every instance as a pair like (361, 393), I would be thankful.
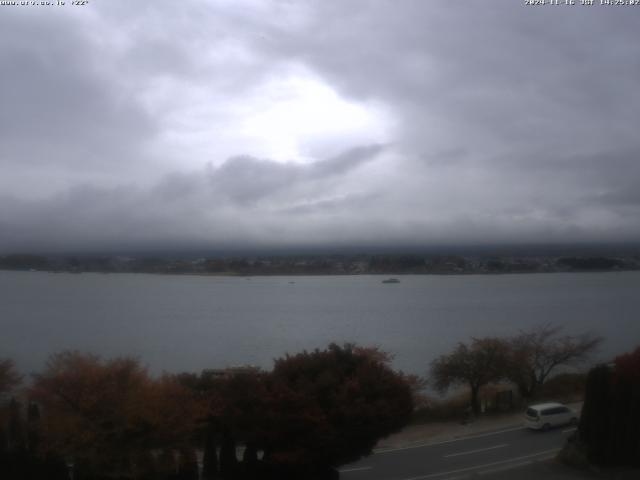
(103, 415)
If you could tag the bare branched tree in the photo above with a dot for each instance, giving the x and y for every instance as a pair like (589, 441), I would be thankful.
(536, 353)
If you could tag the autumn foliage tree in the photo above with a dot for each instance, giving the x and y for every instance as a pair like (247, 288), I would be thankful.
(330, 407)
(237, 403)
(105, 415)
(111, 419)
(313, 412)
(481, 362)
(9, 380)
(19, 436)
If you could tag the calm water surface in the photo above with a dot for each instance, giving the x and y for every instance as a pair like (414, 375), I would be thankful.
(178, 323)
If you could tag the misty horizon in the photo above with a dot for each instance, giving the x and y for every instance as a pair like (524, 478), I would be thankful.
(523, 250)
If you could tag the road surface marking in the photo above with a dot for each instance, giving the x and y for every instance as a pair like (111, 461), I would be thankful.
(475, 451)
(570, 430)
(470, 437)
(355, 469)
(485, 465)
(505, 467)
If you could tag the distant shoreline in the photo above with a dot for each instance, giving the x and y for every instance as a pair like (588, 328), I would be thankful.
(324, 265)
(330, 274)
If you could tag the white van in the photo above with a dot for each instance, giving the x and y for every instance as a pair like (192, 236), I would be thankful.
(546, 415)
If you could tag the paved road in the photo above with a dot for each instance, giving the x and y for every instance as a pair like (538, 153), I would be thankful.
(477, 455)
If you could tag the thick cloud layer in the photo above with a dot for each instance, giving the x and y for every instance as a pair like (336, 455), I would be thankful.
(251, 123)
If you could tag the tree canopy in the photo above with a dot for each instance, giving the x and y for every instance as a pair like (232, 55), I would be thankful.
(334, 404)
(102, 414)
(313, 412)
(9, 376)
(474, 365)
(609, 430)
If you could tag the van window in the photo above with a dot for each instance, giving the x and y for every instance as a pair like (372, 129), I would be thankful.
(554, 411)
(532, 413)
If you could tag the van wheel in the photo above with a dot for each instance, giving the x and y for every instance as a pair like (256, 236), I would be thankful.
(546, 427)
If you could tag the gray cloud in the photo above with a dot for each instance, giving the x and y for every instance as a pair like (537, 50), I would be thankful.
(246, 180)
(57, 106)
(131, 124)
(245, 201)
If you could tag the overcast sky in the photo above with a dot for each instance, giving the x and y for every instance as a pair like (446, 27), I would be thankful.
(211, 123)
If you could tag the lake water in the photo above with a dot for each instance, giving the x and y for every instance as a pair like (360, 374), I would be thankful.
(179, 323)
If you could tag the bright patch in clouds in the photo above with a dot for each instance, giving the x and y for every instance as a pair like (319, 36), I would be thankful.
(291, 117)
(301, 118)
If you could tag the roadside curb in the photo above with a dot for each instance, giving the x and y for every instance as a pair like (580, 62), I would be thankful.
(451, 431)
(449, 439)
